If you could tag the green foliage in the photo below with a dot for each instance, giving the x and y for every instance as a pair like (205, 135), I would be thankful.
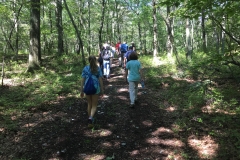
(191, 88)
(42, 87)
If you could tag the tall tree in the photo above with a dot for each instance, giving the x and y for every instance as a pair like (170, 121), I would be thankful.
(101, 25)
(170, 34)
(188, 39)
(89, 27)
(35, 45)
(155, 51)
(204, 32)
(80, 42)
(59, 26)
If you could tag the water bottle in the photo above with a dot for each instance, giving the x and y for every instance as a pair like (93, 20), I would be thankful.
(142, 83)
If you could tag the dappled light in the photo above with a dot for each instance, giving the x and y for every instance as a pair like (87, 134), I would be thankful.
(116, 77)
(147, 123)
(122, 97)
(205, 146)
(156, 61)
(92, 156)
(98, 133)
(134, 153)
(161, 131)
(106, 145)
(171, 109)
(167, 142)
(215, 109)
(29, 125)
(122, 90)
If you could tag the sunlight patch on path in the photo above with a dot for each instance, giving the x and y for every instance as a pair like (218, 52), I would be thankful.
(167, 142)
(98, 133)
(162, 130)
(92, 157)
(205, 146)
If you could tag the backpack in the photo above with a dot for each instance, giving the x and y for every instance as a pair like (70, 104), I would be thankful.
(106, 54)
(123, 47)
(89, 87)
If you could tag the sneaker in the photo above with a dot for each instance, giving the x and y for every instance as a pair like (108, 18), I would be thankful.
(89, 121)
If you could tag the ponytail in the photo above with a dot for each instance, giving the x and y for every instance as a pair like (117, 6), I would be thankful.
(93, 64)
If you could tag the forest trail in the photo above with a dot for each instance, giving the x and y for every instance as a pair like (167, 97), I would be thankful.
(59, 130)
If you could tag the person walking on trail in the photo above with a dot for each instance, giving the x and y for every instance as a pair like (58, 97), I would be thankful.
(133, 76)
(106, 55)
(117, 47)
(133, 46)
(123, 49)
(106, 44)
(126, 56)
(95, 72)
(113, 51)
(100, 59)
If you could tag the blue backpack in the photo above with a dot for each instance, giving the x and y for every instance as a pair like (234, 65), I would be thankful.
(89, 87)
(123, 47)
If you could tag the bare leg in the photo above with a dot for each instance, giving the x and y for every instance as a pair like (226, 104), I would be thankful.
(89, 101)
(92, 104)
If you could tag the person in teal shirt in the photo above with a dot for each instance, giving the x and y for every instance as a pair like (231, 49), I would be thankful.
(133, 76)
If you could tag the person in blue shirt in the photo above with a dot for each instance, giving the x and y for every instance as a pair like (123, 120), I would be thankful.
(133, 76)
(123, 49)
(126, 55)
(97, 75)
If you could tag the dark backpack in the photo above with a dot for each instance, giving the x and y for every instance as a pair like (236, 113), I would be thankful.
(106, 54)
(89, 87)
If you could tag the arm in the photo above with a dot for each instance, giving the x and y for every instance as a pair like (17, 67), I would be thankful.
(124, 61)
(101, 85)
(81, 88)
(126, 74)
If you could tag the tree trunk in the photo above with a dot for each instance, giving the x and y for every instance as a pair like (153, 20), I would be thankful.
(3, 63)
(223, 38)
(101, 26)
(35, 46)
(59, 26)
(80, 43)
(16, 17)
(170, 38)
(89, 27)
(117, 19)
(188, 40)
(140, 37)
(155, 51)
(204, 33)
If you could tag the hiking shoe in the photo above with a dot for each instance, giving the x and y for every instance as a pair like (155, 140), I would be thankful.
(89, 121)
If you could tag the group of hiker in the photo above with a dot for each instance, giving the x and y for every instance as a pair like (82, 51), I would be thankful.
(109, 51)
(128, 60)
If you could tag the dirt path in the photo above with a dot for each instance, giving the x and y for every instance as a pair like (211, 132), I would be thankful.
(140, 133)
(122, 132)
